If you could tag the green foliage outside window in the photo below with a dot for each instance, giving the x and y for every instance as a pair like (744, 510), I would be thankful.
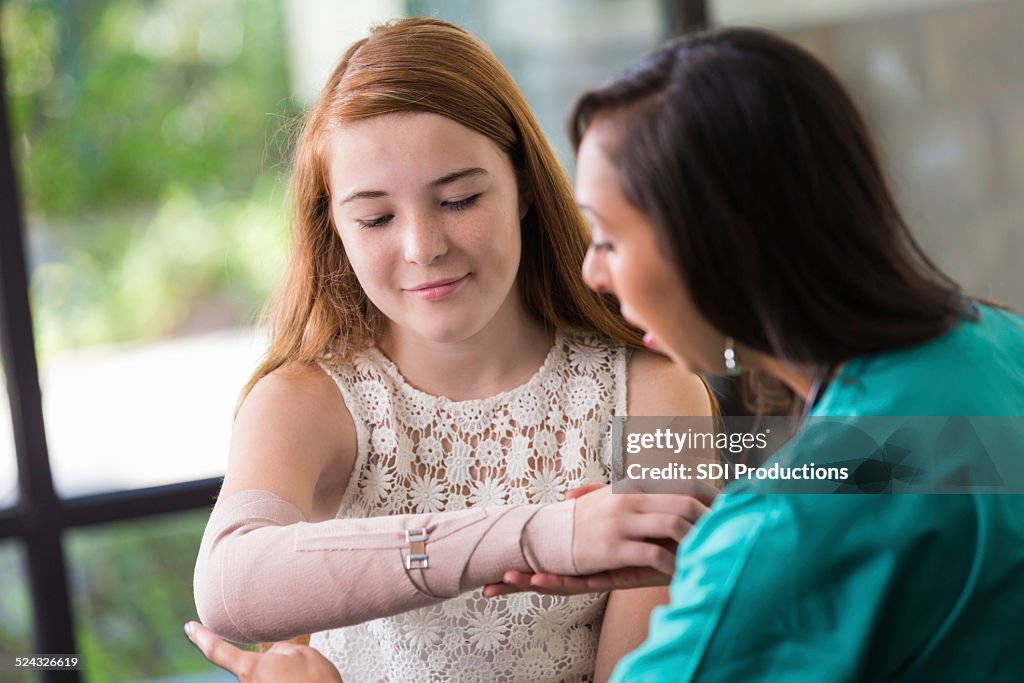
(150, 140)
(131, 586)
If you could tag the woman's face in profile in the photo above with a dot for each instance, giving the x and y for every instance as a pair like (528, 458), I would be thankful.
(428, 211)
(626, 260)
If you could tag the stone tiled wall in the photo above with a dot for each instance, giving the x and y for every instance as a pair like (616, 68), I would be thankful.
(942, 89)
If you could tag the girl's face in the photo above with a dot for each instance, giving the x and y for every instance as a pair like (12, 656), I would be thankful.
(626, 260)
(428, 211)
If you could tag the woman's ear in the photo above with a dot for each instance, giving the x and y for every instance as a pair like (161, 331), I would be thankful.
(524, 205)
(525, 198)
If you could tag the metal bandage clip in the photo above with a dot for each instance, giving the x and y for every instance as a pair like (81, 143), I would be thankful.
(417, 557)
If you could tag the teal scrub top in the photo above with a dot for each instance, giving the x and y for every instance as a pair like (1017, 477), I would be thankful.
(818, 587)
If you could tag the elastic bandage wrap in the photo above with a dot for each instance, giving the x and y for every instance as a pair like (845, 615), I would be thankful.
(266, 574)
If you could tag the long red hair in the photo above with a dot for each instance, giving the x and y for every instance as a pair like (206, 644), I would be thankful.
(425, 65)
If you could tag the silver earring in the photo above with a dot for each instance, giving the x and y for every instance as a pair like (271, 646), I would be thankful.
(730, 356)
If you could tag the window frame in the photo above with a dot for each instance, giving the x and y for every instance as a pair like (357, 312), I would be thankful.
(40, 516)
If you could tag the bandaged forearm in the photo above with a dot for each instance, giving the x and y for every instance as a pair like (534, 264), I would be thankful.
(265, 574)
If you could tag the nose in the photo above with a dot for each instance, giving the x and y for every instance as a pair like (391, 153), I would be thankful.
(424, 240)
(595, 271)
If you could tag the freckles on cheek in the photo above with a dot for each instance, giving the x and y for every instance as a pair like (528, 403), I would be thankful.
(368, 262)
(494, 248)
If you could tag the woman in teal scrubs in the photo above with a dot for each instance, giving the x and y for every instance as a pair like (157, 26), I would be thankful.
(741, 217)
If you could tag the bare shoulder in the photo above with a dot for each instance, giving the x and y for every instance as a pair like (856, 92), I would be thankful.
(657, 386)
(293, 388)
(294, 436)
(294, 400)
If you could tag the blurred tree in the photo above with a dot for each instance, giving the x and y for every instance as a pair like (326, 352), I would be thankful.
(132, 587)
(149, 138)
(15, 611)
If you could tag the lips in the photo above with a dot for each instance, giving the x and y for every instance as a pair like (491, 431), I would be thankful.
(437, 289)
(433, 284)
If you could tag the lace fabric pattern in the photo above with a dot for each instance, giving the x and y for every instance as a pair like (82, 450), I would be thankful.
(423, 453)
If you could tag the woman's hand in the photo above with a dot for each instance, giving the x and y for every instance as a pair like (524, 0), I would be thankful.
(557, 584)
(282, 662)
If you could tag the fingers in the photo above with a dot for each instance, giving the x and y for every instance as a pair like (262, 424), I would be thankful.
(640, 554)
(217, 650)
(571, 585)
(493, 590)
(548, 584)
(630, 530)
(521, 579)
(512, 582)
(637, 577)
(702, 491)
(705, 494)
(555, 584)
(682, 505)
(582, 490)
(657, 526)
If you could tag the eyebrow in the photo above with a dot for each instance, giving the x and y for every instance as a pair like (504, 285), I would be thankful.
(440, 182)
(586, 209)
(459, 175)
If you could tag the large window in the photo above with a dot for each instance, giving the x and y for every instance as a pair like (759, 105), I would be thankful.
(146, 135)
(150, 141)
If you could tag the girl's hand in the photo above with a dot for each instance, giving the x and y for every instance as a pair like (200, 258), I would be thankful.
(282, 662)
(623, 530)
(616, 579)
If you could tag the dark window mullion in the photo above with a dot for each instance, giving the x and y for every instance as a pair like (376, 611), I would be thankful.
(125, 505)
(120, 506)
(695, 15)
(686, 16)
(38, 502)
(11, 524)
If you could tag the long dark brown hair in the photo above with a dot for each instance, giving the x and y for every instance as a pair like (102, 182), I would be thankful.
(760, 177)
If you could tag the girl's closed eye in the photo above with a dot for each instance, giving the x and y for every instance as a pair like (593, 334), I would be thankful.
(461, 204)
(602, 246)
(451, 205)
(374, 222)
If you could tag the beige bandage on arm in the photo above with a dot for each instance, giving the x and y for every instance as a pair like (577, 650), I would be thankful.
(265, 574)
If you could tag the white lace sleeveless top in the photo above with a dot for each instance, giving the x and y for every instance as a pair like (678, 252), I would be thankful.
(422, 453)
